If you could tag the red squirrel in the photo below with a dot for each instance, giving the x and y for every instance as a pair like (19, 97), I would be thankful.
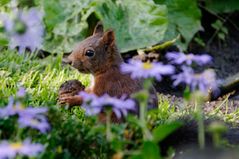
(98, 55)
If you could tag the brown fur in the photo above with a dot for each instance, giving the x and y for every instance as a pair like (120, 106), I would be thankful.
(104, 66)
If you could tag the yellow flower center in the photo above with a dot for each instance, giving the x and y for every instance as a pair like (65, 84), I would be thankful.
(189, 57)
(197, 75)
(18, 108)
(147, 66)
(16, 146)
(34, 122)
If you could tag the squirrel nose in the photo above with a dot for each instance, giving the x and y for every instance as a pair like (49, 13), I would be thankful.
(67, 61)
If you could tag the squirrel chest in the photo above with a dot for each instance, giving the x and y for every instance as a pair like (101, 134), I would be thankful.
(114, 83)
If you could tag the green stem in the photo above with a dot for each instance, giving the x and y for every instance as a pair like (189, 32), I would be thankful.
(108, 126)
(200, 119)
(226, 106)
(216, 139)
(161, 46)
(142, 113)
(146, 132)
(19, 132)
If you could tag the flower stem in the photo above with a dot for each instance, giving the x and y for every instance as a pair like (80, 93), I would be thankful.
(142, 113)
(146, 132)
(108, 126)
(19, 133)
(216, 140)
(200, 120)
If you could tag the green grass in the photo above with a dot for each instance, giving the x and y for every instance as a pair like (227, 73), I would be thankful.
(40, 77)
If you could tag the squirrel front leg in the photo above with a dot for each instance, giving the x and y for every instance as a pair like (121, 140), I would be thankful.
(70, 100)
(68, 93)
(66, 98)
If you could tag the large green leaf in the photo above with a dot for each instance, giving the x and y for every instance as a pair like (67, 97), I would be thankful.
(150, 150)
(184, 19)
(4, 2)
(162, 131)
(137, 24)
(66, 23)
(222, 6)
(55, 13)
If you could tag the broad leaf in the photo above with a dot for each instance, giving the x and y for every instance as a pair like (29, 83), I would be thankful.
(162, 131)
(150, 150)
(137, 24)
(4, 2)
(66, 23)
(222, 6)
(184, 19)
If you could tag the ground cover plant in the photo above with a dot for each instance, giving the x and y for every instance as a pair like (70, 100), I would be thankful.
(34, 125)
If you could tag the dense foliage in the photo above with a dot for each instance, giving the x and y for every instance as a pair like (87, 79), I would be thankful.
(138, 24)
(32, 124)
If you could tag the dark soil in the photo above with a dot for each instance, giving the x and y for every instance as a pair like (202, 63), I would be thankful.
(225, 53)
(225, 63)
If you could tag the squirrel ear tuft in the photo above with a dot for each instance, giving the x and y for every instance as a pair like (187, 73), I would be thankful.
(99, 29)
(109, 37)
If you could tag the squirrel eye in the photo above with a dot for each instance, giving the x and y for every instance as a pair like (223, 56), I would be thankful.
(90, 53)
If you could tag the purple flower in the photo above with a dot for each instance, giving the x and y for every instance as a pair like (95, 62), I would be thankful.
(10, 109)
(138, 69)
(25, 148)
(184, 77)
(203, 81)
(180, 58)
(25, 29)
(38, 122)
(32, 112)
(21, 92)
(6, 151)
(17, 109)
(27, 117)
(94, 104)
(34, 118)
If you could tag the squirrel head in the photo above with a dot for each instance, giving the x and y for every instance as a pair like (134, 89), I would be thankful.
(97, 53)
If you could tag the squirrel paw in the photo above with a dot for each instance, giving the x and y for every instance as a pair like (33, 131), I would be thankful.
(69, 100)
(68, 93)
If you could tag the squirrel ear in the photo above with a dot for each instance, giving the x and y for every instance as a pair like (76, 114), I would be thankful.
(109, 37)
(99, 29)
